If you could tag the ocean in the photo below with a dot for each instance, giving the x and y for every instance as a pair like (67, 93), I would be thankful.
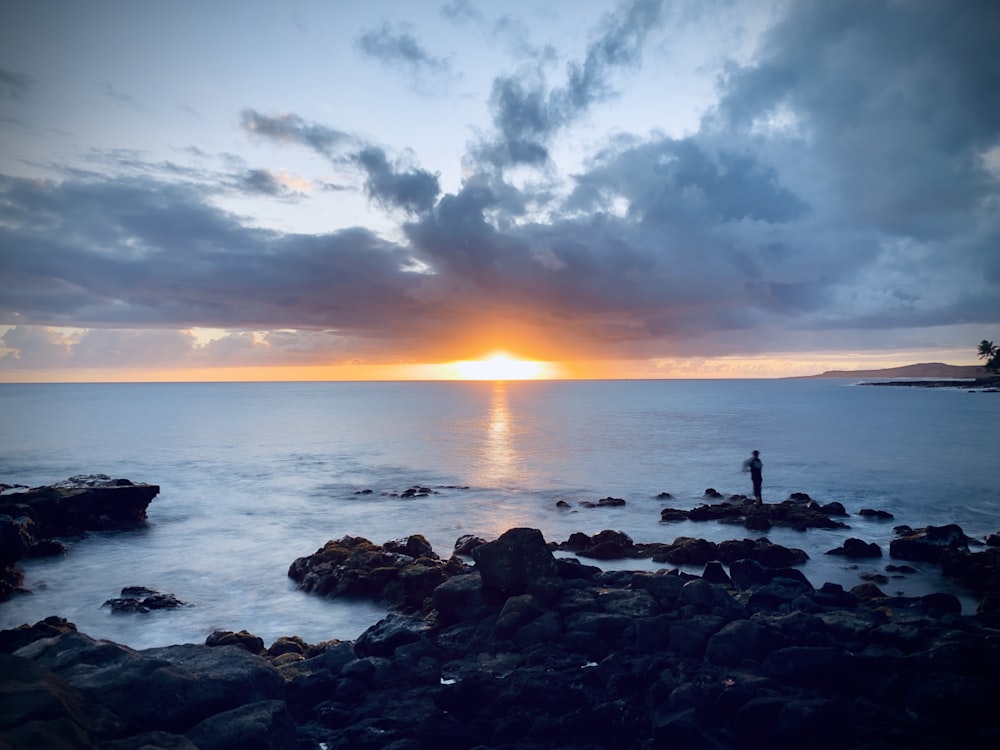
(254, 475)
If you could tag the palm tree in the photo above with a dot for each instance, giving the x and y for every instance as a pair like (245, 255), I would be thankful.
(991, 353)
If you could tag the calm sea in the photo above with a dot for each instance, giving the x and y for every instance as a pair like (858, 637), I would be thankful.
(253, 475)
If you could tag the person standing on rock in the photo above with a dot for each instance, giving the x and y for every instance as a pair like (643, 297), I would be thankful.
(756, 468)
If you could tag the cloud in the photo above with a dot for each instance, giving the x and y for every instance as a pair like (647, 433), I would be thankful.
(413, 190)
(527, 113)
(839, 193)
(392, 185)
(398, 47)
(290, 128)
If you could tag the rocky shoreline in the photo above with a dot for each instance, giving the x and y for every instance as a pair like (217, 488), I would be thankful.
(504, 644)
(31, 517)
(980, 385)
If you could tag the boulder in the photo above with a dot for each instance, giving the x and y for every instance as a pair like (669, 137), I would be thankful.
(880, 515)
(856, 549)
(81, 503)
(604, 545)
(354, 566)
(519, 557)
(265, 724)
(928, 544)
(179, 685)
(243, 639)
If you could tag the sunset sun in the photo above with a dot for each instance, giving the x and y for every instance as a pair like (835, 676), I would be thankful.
(499, 367)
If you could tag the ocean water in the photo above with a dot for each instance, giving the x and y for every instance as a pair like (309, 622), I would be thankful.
(254, 475)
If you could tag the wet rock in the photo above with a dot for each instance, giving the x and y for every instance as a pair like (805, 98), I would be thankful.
(856, 549)
(466, 543)
(633, 660)
(604, 545)
(81, 503)
(881, 515)
(141, 599)
(354, 566)
(265, 724)
(243, 639)
(165, 689)
(928, 544)
(673, 515)
(388, 634)
(519, 557)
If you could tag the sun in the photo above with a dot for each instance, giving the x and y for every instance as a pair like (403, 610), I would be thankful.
(499, 367)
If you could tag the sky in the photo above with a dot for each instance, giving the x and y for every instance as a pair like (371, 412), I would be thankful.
(294, 189)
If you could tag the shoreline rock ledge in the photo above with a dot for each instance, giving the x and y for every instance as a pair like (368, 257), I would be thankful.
(526, 651)
(32, 518)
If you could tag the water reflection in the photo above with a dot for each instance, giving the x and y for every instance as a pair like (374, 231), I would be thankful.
(499, 459)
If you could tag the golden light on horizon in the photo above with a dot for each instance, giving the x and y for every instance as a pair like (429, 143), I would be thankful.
(500, 367)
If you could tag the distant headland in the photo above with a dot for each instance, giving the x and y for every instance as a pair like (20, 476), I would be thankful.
(935, 370)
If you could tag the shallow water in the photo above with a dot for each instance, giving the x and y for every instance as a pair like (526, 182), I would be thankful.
(253, 475)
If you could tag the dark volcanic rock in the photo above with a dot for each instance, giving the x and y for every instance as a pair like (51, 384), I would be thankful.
(141, 599)
(881, 515)
(517, 558)
(542, 658)
(82, 503)
(85, 690)
(354, 566)
(29, 517)
(928, 544)
(857, 548)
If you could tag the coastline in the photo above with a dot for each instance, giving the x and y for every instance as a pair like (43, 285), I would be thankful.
(503, 644)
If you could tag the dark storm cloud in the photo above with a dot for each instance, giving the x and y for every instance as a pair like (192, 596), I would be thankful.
(526, 113)
(397, 46)
(14, 86)
(898, 100)
(677, 181)
(142, 253)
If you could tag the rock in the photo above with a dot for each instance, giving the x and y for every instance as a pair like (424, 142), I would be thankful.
(739, 640)
(632, 660)
(928, 544)
(856, 548)
(141, 599)
(82, 503)
(519, 557)
(604, 545)
(881, 515)
(466, 543)
(673, 515)
(415, 546)
(715, 573)
(354, 566)
(243, 639)
(165, 689)
(265, 724)
(458, 598)
(868, 591)
(763, 551)
(833, 595)
(713, 493)
(16, 538)
(388, 634)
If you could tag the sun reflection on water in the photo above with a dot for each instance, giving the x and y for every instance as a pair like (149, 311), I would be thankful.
(499, 459)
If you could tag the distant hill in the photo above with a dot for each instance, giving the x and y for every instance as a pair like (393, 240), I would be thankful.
(925, 370)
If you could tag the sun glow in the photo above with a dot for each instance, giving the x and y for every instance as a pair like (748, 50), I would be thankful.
(500, 367)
